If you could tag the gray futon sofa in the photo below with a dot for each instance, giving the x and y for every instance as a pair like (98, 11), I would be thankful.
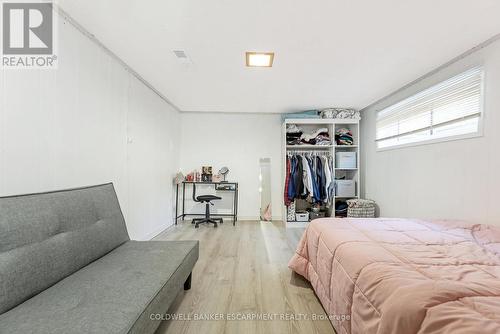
(67, 265)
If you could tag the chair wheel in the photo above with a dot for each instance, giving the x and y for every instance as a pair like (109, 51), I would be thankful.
(215, 225)
(196, 226)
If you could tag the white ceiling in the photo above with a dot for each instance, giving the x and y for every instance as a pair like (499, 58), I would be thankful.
(346, 53)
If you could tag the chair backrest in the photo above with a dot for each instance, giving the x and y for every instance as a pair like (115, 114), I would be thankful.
(194, 193)
(49, 236)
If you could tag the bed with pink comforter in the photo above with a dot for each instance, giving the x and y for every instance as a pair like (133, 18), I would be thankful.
(403, 276)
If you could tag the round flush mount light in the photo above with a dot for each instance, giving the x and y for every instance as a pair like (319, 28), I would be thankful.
(259, 59)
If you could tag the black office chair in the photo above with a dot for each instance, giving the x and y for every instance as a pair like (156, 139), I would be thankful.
(205, 199)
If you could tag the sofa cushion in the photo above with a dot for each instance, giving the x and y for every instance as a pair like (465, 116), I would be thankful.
(115, 294)
(47, 237)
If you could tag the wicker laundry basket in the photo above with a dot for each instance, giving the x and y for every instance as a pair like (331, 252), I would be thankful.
(361, 208)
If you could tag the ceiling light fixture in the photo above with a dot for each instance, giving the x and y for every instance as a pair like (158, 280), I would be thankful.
(260, 59)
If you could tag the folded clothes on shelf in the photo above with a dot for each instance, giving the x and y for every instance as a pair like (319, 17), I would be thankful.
(293, 134)
(322, 139)
(296, 136)
(293, 128)
(317, 137)
(344, 136)
(341, 209)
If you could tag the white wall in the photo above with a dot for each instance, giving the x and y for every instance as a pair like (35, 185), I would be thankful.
(237, 141)
(458, 179)
(88, 122)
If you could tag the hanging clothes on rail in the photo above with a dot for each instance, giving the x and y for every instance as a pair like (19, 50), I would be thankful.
(328, 177)
(308, 176)
(318, 167)
(314, 178)
(291, 181)
(299, 178)
(287, 181)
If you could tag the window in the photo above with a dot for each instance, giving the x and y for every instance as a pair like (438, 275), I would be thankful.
(450, 109)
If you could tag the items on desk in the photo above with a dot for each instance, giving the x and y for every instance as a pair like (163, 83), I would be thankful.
(193, 176)
(206, 174)
(225, 186)
(179, 177)
(224, 171)
(206, 170)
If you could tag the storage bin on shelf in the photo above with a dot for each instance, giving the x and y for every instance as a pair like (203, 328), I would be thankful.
(361, 208)
(345, 160)
(345, 188)
(302, 216)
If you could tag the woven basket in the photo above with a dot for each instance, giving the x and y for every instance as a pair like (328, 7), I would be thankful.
(360, 208)
(290, 212)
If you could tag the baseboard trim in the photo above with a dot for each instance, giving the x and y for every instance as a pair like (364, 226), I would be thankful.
(257, 218)
(166, 227)
(155, 233)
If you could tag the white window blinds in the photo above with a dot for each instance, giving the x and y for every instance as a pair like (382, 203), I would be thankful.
(449, 109)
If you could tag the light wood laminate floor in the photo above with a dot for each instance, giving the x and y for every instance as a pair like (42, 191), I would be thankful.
(242, 272)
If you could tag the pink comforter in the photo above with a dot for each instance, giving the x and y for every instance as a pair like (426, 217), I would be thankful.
(403, 276)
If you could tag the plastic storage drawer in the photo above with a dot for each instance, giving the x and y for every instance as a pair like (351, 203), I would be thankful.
(302, 216)
(345, 160)
(345, 188)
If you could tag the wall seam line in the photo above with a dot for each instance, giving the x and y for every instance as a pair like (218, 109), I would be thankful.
(96, 41)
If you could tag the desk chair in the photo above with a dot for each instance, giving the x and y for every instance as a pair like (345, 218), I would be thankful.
(205, 199)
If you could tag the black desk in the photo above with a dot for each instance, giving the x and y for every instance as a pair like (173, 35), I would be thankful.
(234, 188)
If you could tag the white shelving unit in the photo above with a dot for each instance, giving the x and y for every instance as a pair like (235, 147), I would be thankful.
(313, 147)
(332, 125)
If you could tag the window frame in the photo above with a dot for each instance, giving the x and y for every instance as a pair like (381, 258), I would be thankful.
(477, 134)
